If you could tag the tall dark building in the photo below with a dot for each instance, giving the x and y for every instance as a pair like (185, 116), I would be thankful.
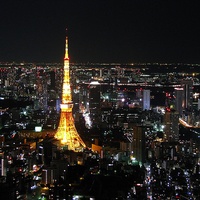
(52, 79)
(139, 143)
(179, 99)
(171, 120)
(188, 94)
(94, 95)
(94, 98)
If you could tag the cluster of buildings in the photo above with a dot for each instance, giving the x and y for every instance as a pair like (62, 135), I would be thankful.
(134, 119)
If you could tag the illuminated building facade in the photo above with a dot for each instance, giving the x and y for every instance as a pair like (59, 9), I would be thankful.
(2, 165)
(146, 99)
(66, 132)
(171, 120)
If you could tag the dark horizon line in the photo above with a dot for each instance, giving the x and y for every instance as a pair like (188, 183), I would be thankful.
(104, 63)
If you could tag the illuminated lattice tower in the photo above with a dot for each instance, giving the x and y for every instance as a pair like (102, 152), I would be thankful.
(66, 132)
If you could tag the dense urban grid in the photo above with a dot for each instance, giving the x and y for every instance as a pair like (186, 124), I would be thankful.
(140, 123)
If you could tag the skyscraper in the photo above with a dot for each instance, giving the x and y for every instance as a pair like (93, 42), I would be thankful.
(139, 143)
(188, 94)
(171, 120)
(66, 132)
(146, 99)
(179, 100)
(94, 96)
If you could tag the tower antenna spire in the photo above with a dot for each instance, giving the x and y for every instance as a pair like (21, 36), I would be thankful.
(66, 46)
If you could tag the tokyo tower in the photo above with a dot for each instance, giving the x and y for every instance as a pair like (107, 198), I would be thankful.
(66, 132)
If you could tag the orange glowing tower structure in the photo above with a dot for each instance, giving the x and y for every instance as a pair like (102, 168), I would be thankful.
(66, 132)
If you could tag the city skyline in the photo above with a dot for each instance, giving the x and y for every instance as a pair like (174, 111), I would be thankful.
(100, 31)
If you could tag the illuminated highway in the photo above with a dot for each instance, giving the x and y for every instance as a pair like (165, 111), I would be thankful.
(184, 123)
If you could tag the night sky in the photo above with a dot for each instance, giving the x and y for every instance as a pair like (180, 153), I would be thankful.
(100, 30)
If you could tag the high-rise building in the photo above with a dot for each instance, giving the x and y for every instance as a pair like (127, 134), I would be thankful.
(188, 94)
(48, 176)
(179, 100)
(2, 165)
(146, 99)
(198, 104)
(139, 143)
(52, 79)
(171, 120)
(94, 96)
(66, 132)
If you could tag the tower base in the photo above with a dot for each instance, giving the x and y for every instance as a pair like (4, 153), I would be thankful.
(67, 133)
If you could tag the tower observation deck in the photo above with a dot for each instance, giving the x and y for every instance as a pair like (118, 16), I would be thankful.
(66, 132)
